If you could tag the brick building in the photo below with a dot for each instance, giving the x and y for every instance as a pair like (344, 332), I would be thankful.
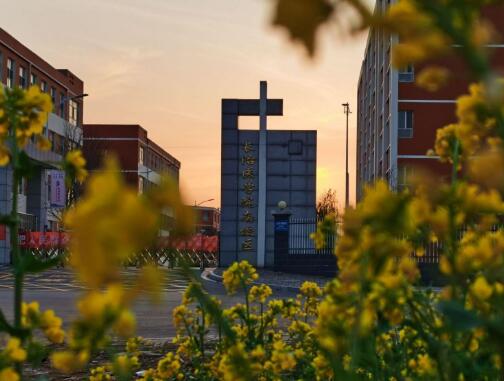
(396, 120)
(207, 220)
(141, 161)
(21, 67)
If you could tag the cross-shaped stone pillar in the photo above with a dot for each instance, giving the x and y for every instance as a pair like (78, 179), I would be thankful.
(243, 192)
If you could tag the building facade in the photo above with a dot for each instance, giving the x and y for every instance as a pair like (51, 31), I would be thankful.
(21, 67)
(396, 120)
(142, 162)
(207, 220)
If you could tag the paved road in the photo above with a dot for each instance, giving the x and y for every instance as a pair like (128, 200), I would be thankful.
(57, 289)
(63, 280)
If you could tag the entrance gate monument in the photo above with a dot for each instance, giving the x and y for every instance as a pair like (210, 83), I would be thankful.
(260, 168)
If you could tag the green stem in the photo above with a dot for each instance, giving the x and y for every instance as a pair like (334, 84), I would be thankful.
(16, 256)
(14, 230)
(456, 159)
(202, 333)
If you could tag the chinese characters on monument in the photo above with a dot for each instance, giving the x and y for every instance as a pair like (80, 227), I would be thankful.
(248, 162)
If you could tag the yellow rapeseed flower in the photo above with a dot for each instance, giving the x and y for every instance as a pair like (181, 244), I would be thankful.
(474, 345)
(481, 289)
(14, 351)
(9, 374)
(310, 290)
(260, 293)
(433, 78)
(48, 319)
(168, 366)
(75, 165)
(55, 335)
(425, 365)
(109, 224)
(125, 324)
(99, 374)
(239, 275)
(43, 143)
(68, 361)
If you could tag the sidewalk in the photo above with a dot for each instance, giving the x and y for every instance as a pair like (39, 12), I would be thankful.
(276, 280)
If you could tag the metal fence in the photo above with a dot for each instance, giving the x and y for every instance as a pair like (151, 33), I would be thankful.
(166, 257)
(170, 257)
(434, 250)
(300, 241)
(296, 252)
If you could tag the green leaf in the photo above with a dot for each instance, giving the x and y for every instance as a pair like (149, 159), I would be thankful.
(208, 304)
(36, 353)
(32, 264)
(6, 219)
(6, 327)
(458, 317)
(24, 165)
(302, 19)
(4, 324)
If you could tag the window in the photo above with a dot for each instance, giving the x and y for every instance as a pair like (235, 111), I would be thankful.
(43, 86)
(48, 187)
(405, 127)
(141, 155)
(403, 176)
(1, 67)
(140, 185)
(57, 143)
(407, 74)
(62, 105)
(53, 95)
(10, 72)
(73, 112)
(22, 77)
(51, 139)
(23, 186)
(33, 79)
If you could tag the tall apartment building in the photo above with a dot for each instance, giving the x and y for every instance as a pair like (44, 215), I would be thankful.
(21, 67)
(142, 162)
(396, 120)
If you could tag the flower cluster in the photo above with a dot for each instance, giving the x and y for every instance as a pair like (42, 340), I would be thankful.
(419, 36)
(47, 321)
(238, 275)
(23, 115)
(75, 167)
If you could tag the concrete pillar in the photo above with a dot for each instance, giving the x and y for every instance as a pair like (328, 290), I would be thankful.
(263, 142)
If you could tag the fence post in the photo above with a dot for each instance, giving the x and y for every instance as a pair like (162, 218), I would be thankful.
(281, 247)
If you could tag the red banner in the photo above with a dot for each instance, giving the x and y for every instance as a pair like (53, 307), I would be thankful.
(43, 239)
(198, 242)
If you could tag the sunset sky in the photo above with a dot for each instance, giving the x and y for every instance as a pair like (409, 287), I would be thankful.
(166, 64)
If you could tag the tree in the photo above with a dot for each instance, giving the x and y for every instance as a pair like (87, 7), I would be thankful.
(327, 204)
(72, 140)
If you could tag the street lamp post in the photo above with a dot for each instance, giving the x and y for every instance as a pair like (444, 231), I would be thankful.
(347, 175)
(202, 202)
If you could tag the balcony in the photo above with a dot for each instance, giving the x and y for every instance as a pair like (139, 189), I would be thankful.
(65, 130)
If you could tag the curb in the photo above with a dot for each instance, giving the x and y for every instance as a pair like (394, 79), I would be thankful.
(210, 275)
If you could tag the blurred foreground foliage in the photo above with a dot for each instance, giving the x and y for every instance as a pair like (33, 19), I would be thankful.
(371, 322)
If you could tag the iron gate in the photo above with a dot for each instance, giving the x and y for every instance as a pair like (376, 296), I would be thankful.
(296, 252)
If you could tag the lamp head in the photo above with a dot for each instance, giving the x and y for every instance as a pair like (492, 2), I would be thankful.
(282, 205)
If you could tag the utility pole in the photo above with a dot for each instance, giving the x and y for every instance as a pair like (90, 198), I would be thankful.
(347, 175)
